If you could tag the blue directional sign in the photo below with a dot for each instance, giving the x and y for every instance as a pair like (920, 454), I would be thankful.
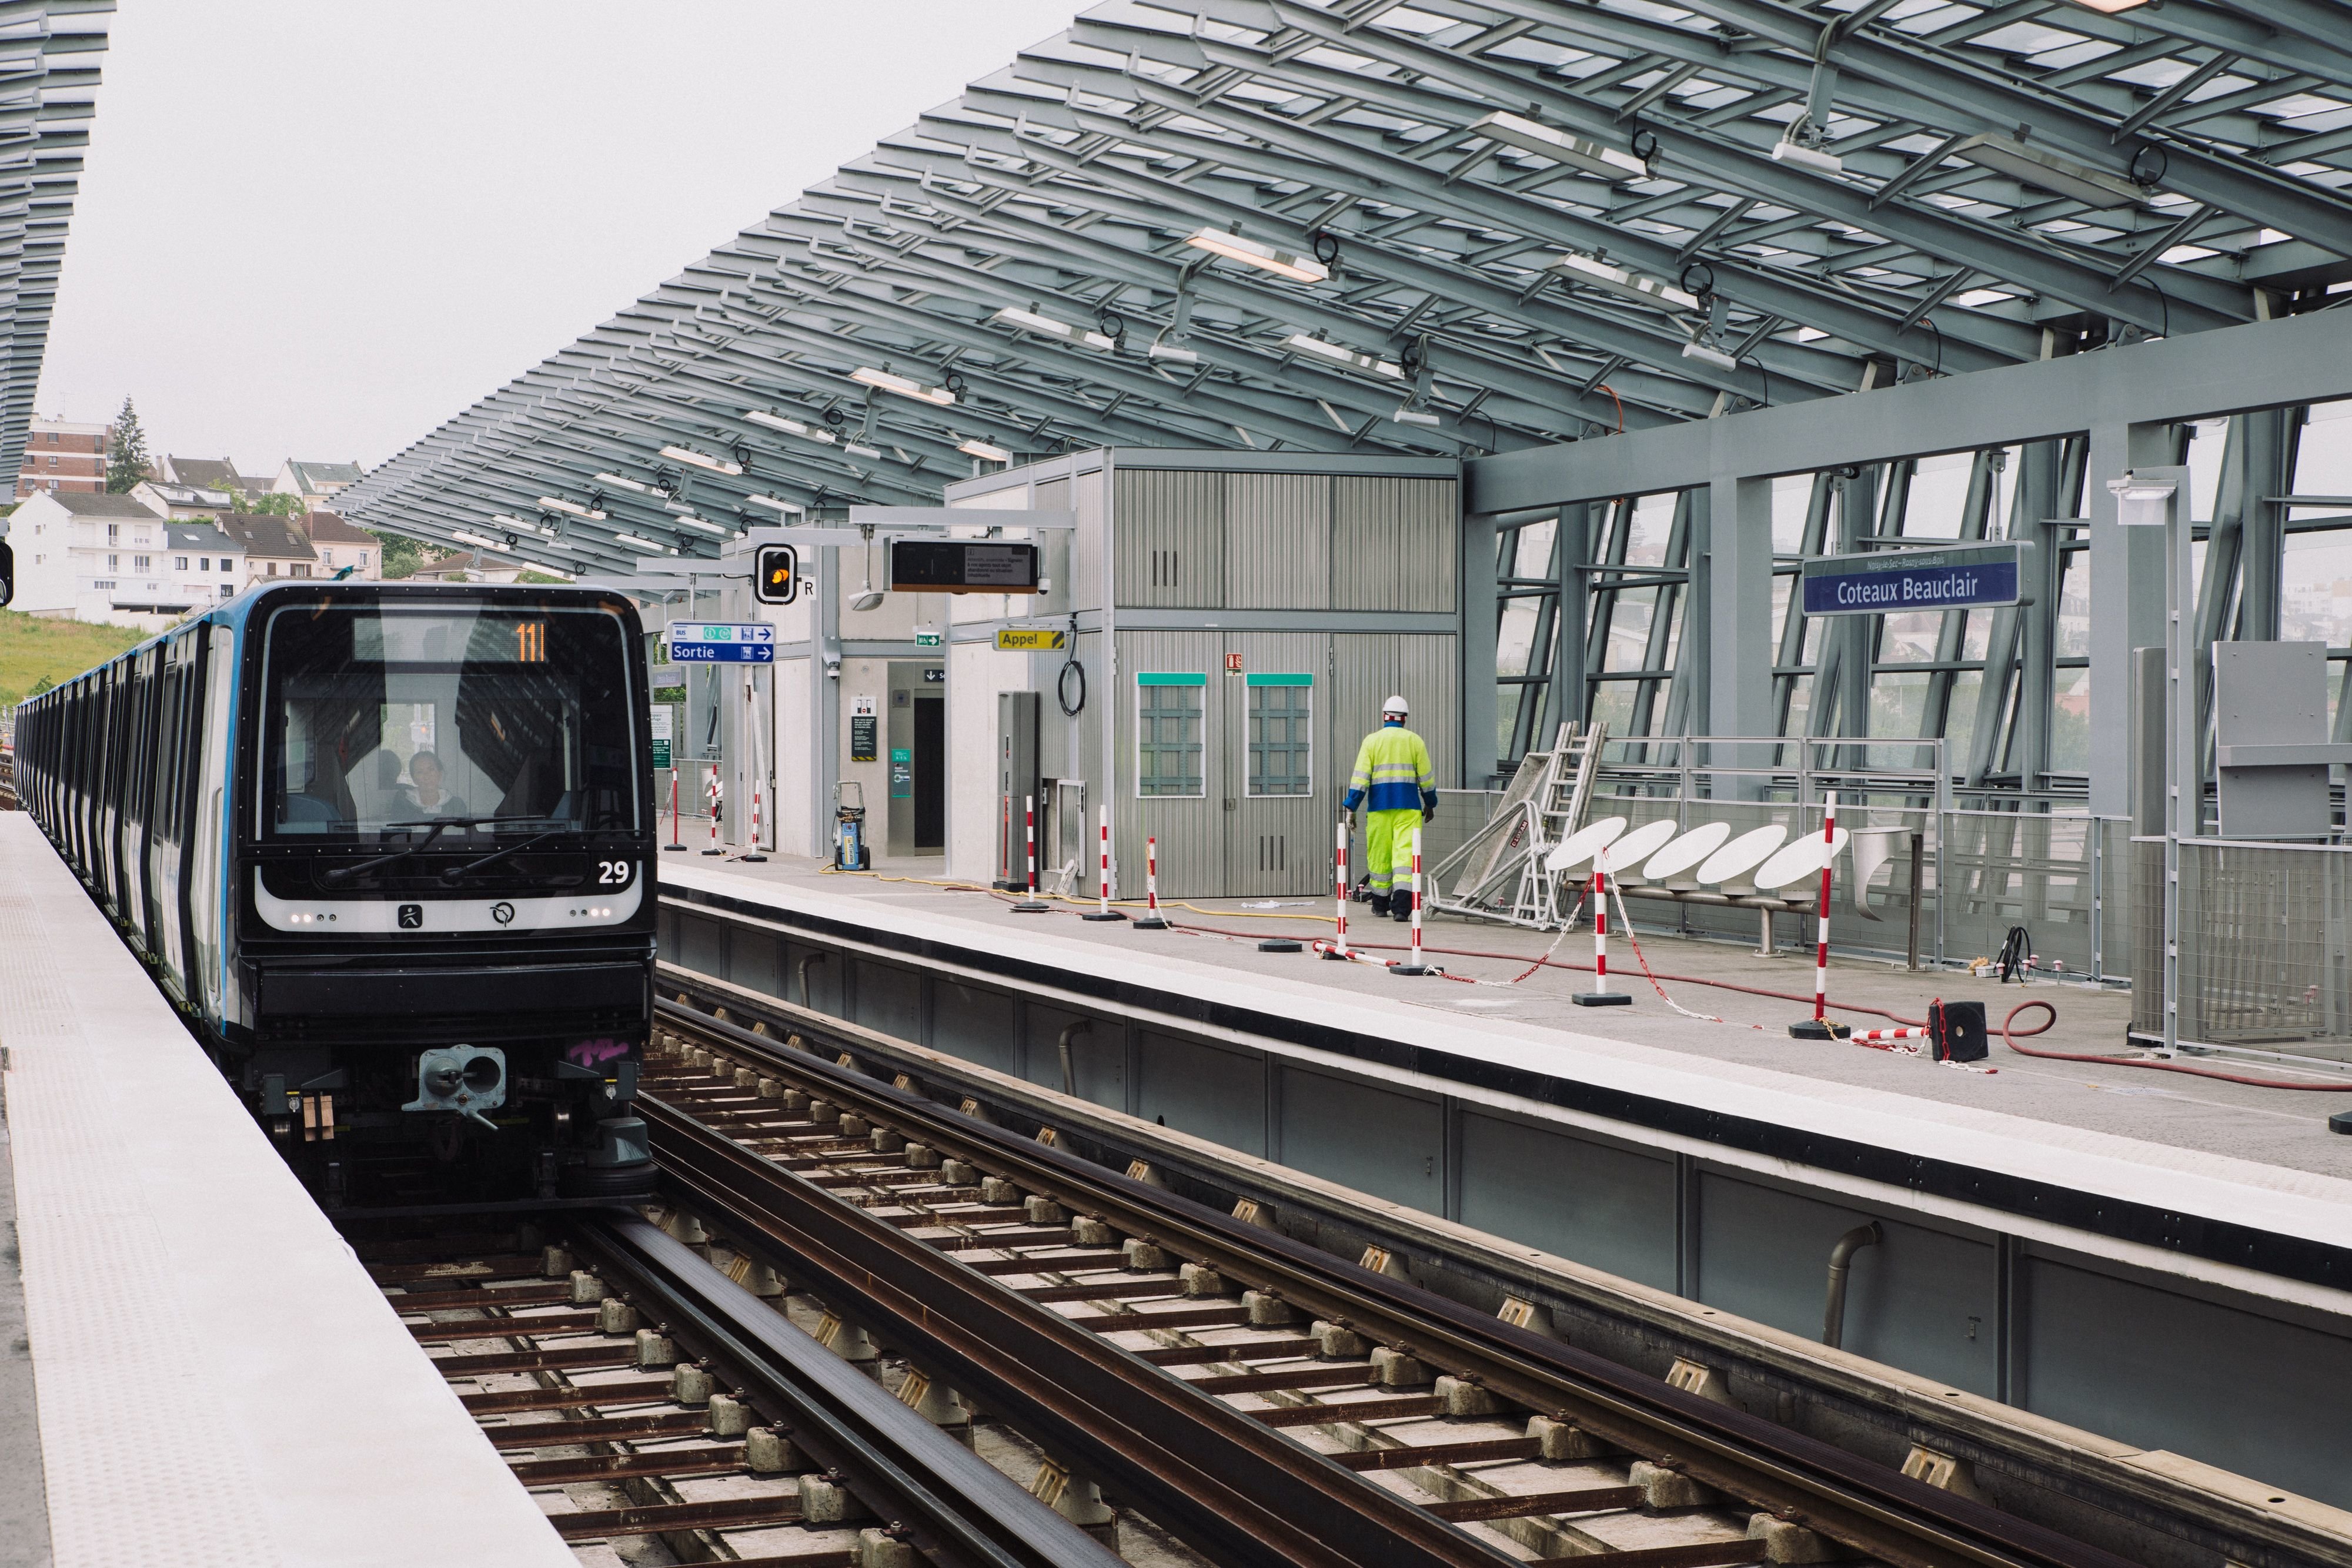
(700, 643)
(1889, 582)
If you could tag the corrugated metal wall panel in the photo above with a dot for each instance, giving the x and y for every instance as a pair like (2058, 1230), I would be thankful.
(1368, 666)
(1087, 586)
(1170, 539)
(1277, 542)
(1190, 831)
(1394, 543)
(1279, 845)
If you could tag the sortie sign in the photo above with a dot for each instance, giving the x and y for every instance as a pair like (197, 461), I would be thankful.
(1890, 583)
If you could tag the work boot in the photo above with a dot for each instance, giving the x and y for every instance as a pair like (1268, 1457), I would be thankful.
(1379, 906)
(1400, 907)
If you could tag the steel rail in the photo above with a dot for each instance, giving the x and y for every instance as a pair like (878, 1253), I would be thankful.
(955, 1507)
(1861, 1504)
(1217, 1475)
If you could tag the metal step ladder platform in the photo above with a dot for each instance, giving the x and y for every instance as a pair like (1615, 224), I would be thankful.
(1499, 873)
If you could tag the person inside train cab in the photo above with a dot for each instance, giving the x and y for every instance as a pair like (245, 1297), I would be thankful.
(1396, 788)
(424, 779)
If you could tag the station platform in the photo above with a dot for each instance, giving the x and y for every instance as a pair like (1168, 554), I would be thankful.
(214, 1377)
(2217, 1153)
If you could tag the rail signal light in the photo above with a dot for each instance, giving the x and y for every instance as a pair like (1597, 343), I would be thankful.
(776, 574)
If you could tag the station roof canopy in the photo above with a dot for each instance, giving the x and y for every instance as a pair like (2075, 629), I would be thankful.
(1441, 226)
(50, 52)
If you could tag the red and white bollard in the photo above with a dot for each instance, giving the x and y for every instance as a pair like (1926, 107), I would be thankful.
(1414, 965)
(1819, 1025)
(675, 842)
(714, 794)
(1600, 995)
(1031, 904)
(1883, 1037)
(1103, 884)
(1337, 946)
(1152, 919)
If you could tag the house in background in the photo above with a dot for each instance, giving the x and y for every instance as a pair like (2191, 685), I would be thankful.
(468, 566)
(315, 482)
(85, 555)
(201, 472)
(340, 545)
(170, 500)
(208, 565)
(273, 546)
(63, 457)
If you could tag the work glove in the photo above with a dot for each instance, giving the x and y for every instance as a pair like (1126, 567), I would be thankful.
(1429, 814)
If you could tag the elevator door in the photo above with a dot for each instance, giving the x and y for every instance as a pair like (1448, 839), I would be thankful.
(931, 773)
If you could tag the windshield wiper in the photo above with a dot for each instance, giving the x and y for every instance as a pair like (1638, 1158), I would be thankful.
(343, 873)
(457, 873)
(436, 826)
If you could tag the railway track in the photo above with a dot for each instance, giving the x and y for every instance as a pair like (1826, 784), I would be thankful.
(1267, 1400)
(666, 1413)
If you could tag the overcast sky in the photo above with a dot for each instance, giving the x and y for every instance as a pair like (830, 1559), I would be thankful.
(317, 228)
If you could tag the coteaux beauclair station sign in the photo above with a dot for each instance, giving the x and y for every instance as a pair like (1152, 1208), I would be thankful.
(1887, 582)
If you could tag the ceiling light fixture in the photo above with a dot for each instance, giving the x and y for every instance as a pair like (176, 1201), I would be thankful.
(643, 544)
(705, 523)
(1061, 332)
(1343, 356)
(860, 449)
(789, 426)
(1170, 354)
(2109, 7)
(1560, 147)
(904, 386)
(980, 449)
(506, 520)
(623, 482)
(557, 504)
(1414, 416)
(789, 509)
(2048, 171)
(701, 460)
(1264, 257)
(477, 541)
(1621, 280)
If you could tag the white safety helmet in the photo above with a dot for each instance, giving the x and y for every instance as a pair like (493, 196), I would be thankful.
(1394, 705)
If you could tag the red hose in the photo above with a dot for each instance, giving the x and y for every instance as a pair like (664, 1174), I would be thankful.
(2006, 1036)
(2009, 1031)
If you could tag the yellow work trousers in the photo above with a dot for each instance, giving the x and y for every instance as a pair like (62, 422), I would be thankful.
(1387, 849)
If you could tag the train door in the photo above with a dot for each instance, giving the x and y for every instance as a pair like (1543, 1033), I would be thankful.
(1274, 767)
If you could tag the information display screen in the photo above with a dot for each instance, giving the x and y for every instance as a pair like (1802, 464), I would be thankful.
(962, 566)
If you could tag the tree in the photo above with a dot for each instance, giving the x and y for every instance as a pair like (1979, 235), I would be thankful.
(402, 555)
(126, 457)
(276, 505)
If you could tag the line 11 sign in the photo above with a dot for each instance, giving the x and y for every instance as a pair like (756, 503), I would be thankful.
(1890, 583)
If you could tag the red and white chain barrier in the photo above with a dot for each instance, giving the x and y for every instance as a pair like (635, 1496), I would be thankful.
(1337, 946)
(1102, 886)
(1600, 995)
(1031, 904)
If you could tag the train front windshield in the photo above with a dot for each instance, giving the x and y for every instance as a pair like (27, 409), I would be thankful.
(379, 717)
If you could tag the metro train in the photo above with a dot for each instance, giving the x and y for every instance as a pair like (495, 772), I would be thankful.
(388, 849)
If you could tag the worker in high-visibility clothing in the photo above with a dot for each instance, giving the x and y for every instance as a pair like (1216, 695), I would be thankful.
(1398, 789)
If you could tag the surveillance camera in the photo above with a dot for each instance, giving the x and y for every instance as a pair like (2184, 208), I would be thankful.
(833, 668)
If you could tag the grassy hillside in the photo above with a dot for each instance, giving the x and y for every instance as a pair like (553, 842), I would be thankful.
(33, 651)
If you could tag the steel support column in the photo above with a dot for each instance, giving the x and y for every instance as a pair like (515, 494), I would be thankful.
(2127, 580)
(1737, 569)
